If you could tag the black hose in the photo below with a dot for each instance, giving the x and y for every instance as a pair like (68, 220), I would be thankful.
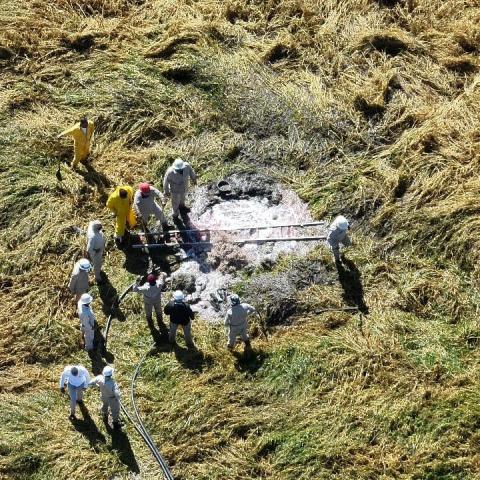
(138, 424)
(158, 456)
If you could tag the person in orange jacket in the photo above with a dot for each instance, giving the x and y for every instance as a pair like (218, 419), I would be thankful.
(120, 203)
(82, 134)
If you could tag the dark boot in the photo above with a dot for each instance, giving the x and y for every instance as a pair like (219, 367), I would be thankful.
(166, 234)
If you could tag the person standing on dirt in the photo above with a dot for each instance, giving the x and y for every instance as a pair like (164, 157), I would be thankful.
(144, 205)
(338, 235)
(109, 395)
(88, 322)
(76, 379)
(180, 313)
(82, 134)
(236, 322)
(78, 283)
(152, 300)
(175, 185)
(120, 202)
(96, 247)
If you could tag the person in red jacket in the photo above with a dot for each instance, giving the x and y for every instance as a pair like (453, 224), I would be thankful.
(180, 313)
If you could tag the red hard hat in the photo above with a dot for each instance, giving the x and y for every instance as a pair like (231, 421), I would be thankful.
(151, 278)
(144, 187)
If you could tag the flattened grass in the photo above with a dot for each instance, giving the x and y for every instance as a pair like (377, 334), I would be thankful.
(366, 108)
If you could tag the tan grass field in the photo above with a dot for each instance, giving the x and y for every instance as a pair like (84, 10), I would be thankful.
(366, 107)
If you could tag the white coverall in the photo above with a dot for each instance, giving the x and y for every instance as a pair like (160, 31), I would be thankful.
(109, 394)
(146, 206)
(78, 281)
(335, 237)
(236, 323)
(175, 184)
(76, 384)
(95, 248)
(87, 325)
(152, 300)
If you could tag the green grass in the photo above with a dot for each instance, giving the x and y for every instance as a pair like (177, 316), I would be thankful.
(316, 95)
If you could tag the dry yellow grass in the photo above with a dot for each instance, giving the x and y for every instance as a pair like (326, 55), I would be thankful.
(367, 107)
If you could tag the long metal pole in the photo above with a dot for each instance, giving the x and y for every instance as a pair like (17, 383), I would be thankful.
(284, 239)
(237, 229)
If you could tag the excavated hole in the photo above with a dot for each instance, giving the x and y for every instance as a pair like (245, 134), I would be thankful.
(208, 274)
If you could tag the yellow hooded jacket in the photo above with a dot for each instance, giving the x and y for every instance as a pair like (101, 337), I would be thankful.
(81, 142)
(122, 207)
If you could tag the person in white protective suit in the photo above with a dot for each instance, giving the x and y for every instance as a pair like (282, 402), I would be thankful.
(338, 235)
(175, 184)
(96, 247)
(87, 320)
(78, 283)
(236, 321)
(76, 379)
(109, 395)
(152, 300)
(144, 205)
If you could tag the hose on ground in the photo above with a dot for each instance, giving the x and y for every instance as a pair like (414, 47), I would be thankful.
(137, 422)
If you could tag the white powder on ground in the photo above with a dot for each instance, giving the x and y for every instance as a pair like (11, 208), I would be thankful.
(244, 213)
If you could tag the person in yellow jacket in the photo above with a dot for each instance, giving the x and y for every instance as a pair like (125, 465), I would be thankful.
(82, 134)
(120, 203)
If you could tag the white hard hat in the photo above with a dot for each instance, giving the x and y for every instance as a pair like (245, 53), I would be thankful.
(178, 164)
(84, 264)
(97, 224)
(341, 222)
(85, 299)
(107, 371)
(178, 295)
(235, 299)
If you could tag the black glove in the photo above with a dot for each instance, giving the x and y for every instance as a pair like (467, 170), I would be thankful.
(62, 390)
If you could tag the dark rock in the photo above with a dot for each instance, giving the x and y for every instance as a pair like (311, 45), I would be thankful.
(184, 282)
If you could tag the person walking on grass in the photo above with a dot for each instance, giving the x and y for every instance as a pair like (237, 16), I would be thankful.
(236, 322)
(175, 185)
(120, 202)
(88, 322)
(82, 134)
(180, 313)
(109, 395)
(75, 379)
(338, 235)
(152, 300)
(96, 247)
(78, 283)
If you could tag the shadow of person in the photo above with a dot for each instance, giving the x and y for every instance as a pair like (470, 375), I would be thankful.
(109, 296)
(97, 361)
(191, 358)
(350, 280)
(95, 178)
(249, 361)
(88, 428)
(121, 445)
(136, 260)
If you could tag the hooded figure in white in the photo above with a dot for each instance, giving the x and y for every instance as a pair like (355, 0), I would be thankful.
(109, 394)
(338, 234)
(236, 321)
(76, 379)
(79, 278)
(96, 247)
(175, 184)
(87, 320)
